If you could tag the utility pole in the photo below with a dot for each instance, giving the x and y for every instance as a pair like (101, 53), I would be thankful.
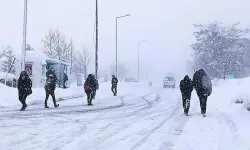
(24, 36)
(96, 44)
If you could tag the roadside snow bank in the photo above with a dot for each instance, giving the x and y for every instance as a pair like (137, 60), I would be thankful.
(233, 91)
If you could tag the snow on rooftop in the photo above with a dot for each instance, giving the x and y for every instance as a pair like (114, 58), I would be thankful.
(9, 76)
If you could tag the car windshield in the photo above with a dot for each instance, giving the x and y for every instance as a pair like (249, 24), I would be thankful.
(169, 78)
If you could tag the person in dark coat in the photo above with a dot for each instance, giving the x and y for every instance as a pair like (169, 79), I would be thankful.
(49, 72)
(203, 86)
(65, 79)
(186, 88)
(24, 88)
(114, 83)
(90, 87)
(50, 87)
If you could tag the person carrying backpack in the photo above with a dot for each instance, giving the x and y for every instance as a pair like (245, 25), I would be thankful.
(186, 88)
(89, 87)
(203, 86)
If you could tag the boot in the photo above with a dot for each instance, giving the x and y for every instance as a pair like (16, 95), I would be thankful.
(46, 105)
(23, 108)
(55, 105)
(186, 112)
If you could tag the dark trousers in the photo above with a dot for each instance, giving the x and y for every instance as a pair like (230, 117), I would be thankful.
(22, 99)
(48, 93)
(203, 103)
(94, 93)
(186, 102)
(64, 84)
(90, 95)
(114, 89)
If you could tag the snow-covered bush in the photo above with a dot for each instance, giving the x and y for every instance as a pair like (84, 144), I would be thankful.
(242, 98)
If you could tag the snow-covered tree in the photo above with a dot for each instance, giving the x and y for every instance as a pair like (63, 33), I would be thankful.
(8, 62)
(4, 51)
(49, 44)
(56, 46)
(217, 49)
(82, 62)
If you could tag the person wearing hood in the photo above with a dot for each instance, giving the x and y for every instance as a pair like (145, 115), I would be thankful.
(90, 87)
(50, 87)
(186, 88)
(203, 86)
(24, 88)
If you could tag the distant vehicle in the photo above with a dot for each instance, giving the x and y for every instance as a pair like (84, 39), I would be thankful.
(169, 81)
(130, 80)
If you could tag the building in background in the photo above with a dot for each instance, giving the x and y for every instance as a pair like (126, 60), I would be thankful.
(37, 64)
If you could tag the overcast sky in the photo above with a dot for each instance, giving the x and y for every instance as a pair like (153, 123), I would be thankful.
(165, 24)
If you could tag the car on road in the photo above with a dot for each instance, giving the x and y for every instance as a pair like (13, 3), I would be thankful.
(169, 81)
(128, 79)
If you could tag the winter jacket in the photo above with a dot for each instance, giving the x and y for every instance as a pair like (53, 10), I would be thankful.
(51, 72)
(24, 86)
(90, 84)
(202, 83)
(50, 84)
(114, 81)
(186, 85)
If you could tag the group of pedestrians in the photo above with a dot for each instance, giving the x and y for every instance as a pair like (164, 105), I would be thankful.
(203, 86)
(25, 88)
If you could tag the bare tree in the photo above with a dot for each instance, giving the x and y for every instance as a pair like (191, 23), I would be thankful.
(49, 44)
(71, 54)
(8, 62)
(4, 51)
(82, 62)
(60, 44)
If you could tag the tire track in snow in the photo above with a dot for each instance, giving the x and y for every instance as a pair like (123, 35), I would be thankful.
(176, 129)
(60, 111)
(149, 105)
(169, 116)
(231, 125)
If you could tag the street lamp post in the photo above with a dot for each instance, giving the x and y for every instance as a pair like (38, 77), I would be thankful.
(24, 36)
(139, 58)
(96, 44)
(116, 40)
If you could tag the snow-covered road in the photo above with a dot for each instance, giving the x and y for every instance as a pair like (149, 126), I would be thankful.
(141, 117)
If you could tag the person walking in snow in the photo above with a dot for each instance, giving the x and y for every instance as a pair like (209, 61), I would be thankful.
(49, 72)
(50, 87)
(90, 87)
(114, 83)
(186, 88)
(203, 86)
(24, 88)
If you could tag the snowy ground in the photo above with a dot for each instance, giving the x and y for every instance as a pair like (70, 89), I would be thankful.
(140, 117)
